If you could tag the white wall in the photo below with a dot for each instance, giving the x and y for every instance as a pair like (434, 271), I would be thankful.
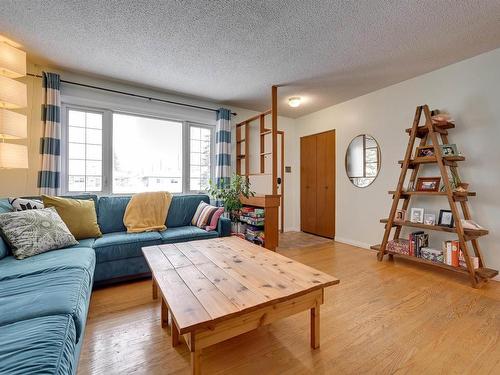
(470, 91)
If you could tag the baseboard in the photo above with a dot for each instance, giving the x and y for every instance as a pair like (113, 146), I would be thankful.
(292, 229)
(496, 278)
(352, 242)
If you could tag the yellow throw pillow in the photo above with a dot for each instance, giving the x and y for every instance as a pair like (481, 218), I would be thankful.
(78, 215)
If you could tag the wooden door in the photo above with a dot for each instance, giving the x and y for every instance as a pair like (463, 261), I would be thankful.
(308, 184)
(325, 184)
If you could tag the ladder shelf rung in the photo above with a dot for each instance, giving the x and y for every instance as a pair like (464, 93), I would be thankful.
(469, 233)
(440, 128)
(448, 160)
(456, 195)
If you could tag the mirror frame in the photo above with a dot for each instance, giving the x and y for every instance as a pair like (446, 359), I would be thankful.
(379, 156)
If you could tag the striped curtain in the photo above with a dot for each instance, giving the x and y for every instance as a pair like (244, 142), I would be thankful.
(223, 146)
(49, 177)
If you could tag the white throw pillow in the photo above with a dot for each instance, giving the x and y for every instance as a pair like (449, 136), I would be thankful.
(22, 204)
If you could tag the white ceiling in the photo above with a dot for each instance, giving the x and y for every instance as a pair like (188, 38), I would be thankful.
(233, 51)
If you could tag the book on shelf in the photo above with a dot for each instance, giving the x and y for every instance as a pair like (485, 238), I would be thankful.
(432, 254)
(417, 241)
(455, 247)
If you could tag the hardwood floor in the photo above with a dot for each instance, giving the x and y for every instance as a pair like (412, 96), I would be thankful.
(383, 318)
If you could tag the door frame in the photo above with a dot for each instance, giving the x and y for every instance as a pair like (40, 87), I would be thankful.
(333, 131)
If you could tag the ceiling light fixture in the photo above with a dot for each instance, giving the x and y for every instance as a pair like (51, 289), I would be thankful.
(294, 101)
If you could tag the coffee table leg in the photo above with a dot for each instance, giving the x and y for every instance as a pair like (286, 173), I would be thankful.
(164, 314)
(315, 327)
(195, 362)
(175, 334)
(154, 289)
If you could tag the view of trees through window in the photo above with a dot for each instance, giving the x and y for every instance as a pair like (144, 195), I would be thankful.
(147, 154)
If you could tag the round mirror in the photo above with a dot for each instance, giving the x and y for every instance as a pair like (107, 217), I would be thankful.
(362, 160)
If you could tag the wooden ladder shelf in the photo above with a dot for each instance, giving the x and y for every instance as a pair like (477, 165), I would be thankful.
(430, 133)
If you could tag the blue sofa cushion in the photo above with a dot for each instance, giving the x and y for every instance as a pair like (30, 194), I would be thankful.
(120, 269)
(122, 245)
(63, 292)
(44, 345)
(187, 233)
(52, 261)
(86, 242)
(182, 209)
(110, 214)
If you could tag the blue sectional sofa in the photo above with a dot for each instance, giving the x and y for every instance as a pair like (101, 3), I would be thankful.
(44, 299)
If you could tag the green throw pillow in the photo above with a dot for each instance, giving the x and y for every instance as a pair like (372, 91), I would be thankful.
(34, 232)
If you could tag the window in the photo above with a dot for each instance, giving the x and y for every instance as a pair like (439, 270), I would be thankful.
(84, 162)
(147, 154)
(121, 153)
(200, 141)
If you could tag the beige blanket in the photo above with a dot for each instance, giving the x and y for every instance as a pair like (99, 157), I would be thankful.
(147, 212)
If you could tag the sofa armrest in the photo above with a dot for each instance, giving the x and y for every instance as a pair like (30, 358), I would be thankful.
(224, 227)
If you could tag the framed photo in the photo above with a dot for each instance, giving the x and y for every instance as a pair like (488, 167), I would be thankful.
(425, 151)
(445, 218)
(449, 150)
(417, 215)
(400, 215)
(428, 183)
(430, 219)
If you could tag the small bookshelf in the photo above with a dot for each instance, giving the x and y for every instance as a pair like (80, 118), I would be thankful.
(269, 225)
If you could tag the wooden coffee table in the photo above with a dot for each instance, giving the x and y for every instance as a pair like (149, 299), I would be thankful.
(220, 288)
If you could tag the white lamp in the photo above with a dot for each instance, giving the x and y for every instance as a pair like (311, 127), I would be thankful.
(12, 125)
(12, 61)
(13, 156)
(12, 93)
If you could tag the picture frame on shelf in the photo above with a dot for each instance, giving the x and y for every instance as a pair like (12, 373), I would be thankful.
(417, 215)
(449, 149)
(425, 151)
(400, 215)
(430, 219)
(445, 218)
(428, 183)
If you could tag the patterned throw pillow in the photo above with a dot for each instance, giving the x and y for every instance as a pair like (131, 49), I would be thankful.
(22, 204)
(197, 214)
(206, 216)
(33, 232)
(212, 224)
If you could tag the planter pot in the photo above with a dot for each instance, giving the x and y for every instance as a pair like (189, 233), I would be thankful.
(234, 227)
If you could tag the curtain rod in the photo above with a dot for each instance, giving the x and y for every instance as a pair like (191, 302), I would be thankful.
(133, 95)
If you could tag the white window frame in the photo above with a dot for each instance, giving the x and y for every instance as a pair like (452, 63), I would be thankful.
(107, 147)
(64, 148)
(188, 156)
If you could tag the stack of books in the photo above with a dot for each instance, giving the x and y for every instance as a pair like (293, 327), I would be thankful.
(417, 241)
(255, 234)
(252, 216)
(453, 255)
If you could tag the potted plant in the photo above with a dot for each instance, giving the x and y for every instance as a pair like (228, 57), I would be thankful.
(229, 195)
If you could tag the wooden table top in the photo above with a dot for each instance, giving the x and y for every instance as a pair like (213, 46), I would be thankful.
(205, 282)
